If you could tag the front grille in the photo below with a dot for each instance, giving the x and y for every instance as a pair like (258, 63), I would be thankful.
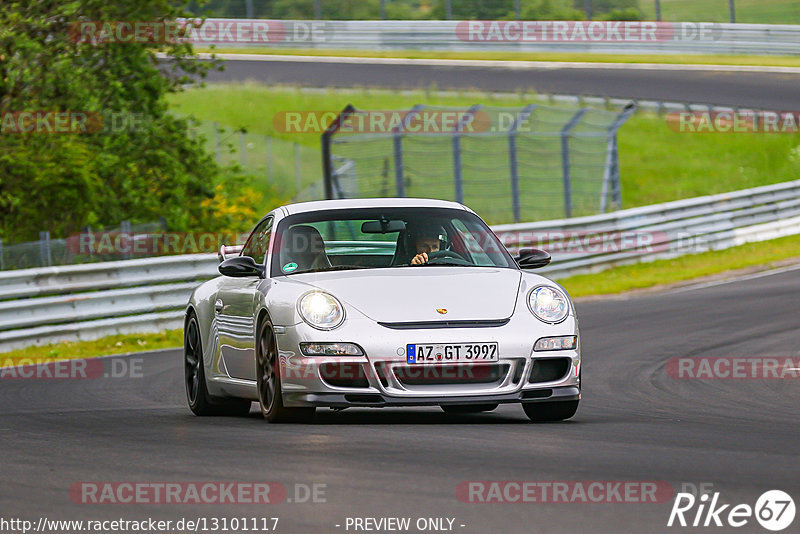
(344, 375)
(436, 375)
(422, 325)
(549, 369)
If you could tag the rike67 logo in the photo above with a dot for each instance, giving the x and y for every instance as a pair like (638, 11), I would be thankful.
(774, 510)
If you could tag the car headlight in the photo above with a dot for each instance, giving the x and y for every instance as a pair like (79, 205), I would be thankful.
(548, 304)
(321, 310)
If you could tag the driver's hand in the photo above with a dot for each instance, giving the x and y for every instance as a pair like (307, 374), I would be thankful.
(419, 259)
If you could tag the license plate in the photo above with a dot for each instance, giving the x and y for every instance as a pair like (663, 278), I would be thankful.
(452, 353)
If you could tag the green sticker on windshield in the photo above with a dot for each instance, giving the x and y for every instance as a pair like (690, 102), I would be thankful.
(289, 267)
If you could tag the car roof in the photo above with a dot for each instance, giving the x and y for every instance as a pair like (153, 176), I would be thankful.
(353, 203)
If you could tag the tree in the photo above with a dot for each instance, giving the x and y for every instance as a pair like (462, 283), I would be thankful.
(142, 168)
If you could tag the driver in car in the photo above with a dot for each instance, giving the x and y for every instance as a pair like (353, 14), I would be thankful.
(427, 239)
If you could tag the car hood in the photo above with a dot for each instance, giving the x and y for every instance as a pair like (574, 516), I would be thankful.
(416, 293)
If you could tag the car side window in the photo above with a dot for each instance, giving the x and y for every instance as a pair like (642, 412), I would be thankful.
(257, 243)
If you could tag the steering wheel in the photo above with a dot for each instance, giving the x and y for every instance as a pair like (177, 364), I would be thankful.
(446, 256)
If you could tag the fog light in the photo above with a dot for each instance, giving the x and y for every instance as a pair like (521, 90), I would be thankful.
(556, 343)
(330, 349)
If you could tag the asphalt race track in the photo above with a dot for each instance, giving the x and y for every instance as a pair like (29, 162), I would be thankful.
(636, 423)
(760, 90)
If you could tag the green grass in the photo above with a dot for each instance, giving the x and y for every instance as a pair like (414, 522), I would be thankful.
(657, 164)
(681, 59)
(747, 11)
(663, 272)
(68, 350)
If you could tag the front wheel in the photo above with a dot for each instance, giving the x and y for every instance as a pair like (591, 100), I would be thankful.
(545, 412)
(268, 375)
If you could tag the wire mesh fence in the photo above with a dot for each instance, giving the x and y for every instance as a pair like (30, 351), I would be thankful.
(705, 11)
(291, 169)
(510, 164)
(47, 252)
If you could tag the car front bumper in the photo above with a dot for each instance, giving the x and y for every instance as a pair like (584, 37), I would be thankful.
(382, 377)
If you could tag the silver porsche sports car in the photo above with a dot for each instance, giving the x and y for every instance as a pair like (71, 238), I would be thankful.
(377, 303)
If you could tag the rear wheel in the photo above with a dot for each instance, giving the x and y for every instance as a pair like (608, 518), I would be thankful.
(468, 408)
(268, 376)
(200, 402)
(544, 412)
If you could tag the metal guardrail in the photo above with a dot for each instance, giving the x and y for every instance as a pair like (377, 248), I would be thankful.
(521, 36)
(88, 301)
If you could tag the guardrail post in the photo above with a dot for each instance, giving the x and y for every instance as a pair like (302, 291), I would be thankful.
(565, 163)
(44, 249)
(512, 160)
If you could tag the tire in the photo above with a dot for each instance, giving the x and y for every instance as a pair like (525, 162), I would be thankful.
(467, 408)
(197, 396)
(268, 378)
(545, 412)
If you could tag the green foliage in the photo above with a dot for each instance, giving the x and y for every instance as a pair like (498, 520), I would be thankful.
(63, 181)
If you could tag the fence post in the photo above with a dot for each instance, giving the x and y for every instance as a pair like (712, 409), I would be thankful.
(588, 7)
(517, 10)
(217, 148)
(512, 160)
(658, 10)
(327, 162)
(297, 171)
(565, 164)
(383, 9)
(269, 158)
(2, 262)
(317, 9)
(448, 9)
(397, 140)
(243, 148)
(611, 178)
(44, 248)
(248, 7)
(732, 8)
(457, 174)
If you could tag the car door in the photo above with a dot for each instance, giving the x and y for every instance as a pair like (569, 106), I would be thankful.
(234, 308)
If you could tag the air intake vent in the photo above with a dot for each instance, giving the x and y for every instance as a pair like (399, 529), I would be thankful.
(549, 369)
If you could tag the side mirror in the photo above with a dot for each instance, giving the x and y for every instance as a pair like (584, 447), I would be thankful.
(532, 258)
(241, 266)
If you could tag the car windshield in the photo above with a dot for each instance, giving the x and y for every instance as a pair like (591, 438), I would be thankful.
(371, 238)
